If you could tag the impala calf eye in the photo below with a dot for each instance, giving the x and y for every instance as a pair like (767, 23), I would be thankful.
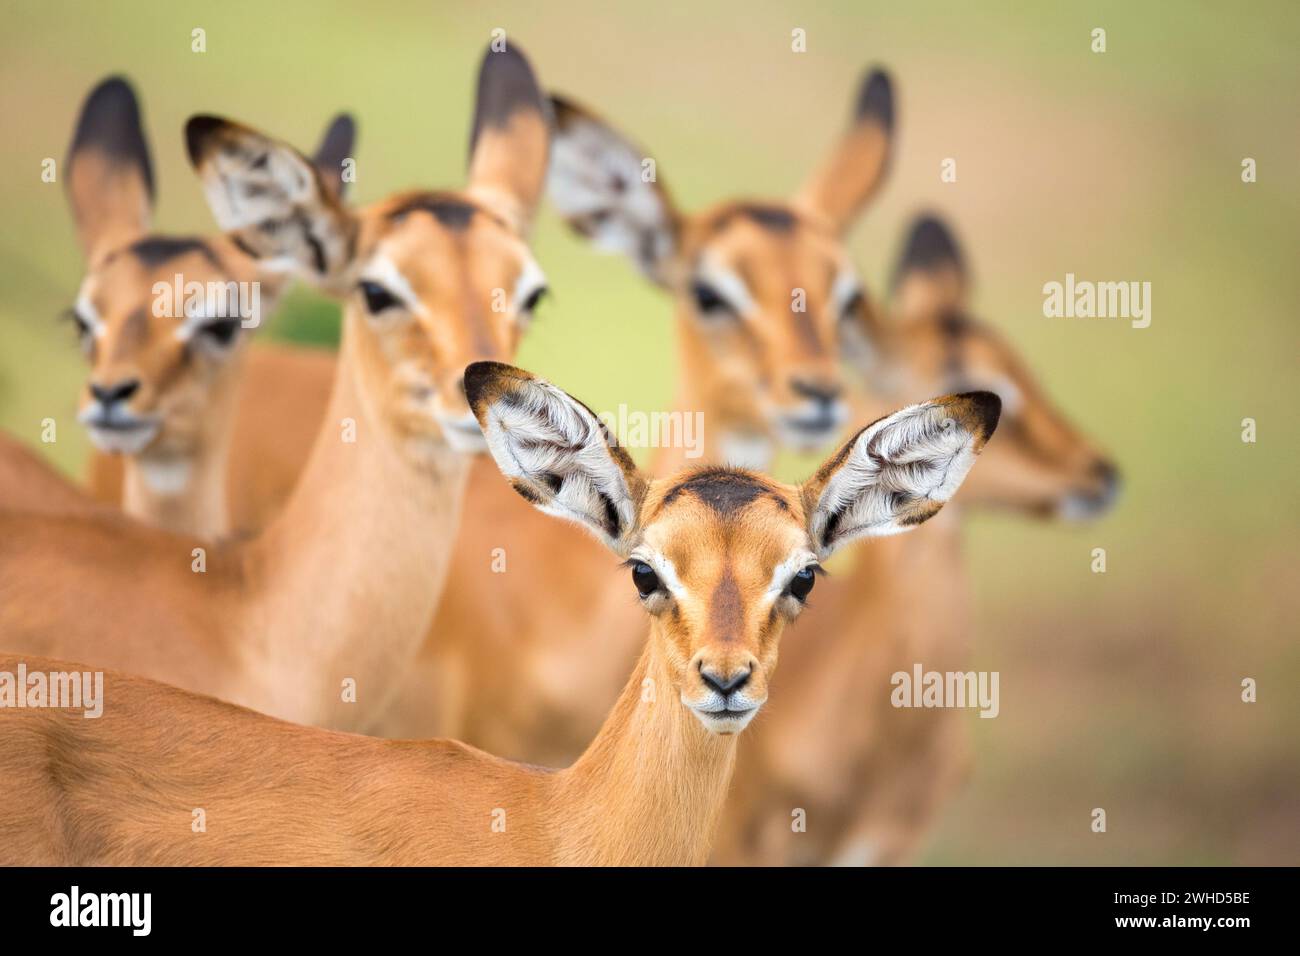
(802, 584)
(534, 297)
(221, 332)
(707, 299)
(852, 306)
(645, 579)
(377, 297)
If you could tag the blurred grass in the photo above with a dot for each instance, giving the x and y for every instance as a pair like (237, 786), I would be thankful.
(1118, 690)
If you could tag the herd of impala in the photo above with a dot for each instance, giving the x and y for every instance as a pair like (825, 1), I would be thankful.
(283, 560)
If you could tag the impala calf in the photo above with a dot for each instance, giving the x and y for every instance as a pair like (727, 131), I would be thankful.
(869, 776)
(337, 592)
(756, 370)
(720, 559)
(162, 396)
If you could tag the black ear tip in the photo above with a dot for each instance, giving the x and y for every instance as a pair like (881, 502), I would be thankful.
(563, 108)
(509, 75)
(930, 245)
(344, 124)
(199, 131)
(876, 99)
(113, 91)
(506, 85)
(479, 377)
(110, 122)
(987, 409)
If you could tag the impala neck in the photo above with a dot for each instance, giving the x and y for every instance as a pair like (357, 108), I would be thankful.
(184, 490)
(649, 789)
(350, 573)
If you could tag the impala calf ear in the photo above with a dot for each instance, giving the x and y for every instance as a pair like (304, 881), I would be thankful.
(602, 186)
(899, 471)
(556, 453)
(856, 166)
(930, 277)
(335, 146)
(270, 199)
(108, 173)
(510, 141)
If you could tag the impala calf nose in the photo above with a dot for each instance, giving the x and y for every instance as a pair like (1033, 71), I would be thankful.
(824, 392)
(120, 392)
(725, 684)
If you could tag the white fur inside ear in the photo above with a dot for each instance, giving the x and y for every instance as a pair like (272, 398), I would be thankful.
(257, 182)
(921, 453)
(595, 179)
(538, 433)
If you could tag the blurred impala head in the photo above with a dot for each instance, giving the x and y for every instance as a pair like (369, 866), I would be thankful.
(433, 280)
(723, 558)
(760, 286)
(1040, 462)
(161, 319)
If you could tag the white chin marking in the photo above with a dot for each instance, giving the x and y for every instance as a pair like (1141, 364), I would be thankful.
(725, 725)
(117, 441)
(165, 476)
(740, 450)
(463, 434)
(804, 440)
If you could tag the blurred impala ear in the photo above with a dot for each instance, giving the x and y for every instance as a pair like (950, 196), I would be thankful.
(335, 147)
(930, 278)
(271, 200)
(899, 471)
(856, 167)
(109, 175)
(600, 184)
(556, 453)
(510, 141)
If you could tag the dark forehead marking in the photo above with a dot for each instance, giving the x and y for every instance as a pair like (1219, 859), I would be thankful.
(773, 218)
(954, 325)
(727, 608)
(724, 490)
(453, 213)
(155, 250)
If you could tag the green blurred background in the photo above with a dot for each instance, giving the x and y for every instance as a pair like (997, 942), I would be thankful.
(1119, 690)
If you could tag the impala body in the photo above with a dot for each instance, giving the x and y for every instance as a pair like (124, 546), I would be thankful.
(721, 560)
(311, 618)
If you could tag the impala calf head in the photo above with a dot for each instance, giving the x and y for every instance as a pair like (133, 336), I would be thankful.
(723, 559)
(434, 280)
(1040, 462)
(160, 351)
(761, 287)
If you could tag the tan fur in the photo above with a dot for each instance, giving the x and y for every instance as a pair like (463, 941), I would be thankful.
(502, 674)
(30, 483)
(192, 395)
(122, 789)
(342, 585)
(177, 480)
(870, 777)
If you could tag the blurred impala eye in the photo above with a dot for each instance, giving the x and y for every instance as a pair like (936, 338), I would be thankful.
(801, 584)
(707, 299)
(221, 333)
(645, 579)
(377, 297)
(534, 297)
(853, 305)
